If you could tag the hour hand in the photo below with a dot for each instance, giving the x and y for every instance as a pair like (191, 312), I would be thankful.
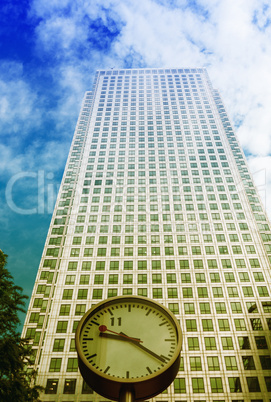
(121, 335)
(115, 336)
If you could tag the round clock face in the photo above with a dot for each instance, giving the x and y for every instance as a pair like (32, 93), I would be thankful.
(128, 338)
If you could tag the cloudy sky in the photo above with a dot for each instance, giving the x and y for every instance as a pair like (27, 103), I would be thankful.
(49, 51)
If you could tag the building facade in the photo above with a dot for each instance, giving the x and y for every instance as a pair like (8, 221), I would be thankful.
(157, 200)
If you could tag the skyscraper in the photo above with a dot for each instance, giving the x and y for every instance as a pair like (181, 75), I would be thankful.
(157, 200)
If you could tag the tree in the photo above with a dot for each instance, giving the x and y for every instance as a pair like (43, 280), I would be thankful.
(16, 380)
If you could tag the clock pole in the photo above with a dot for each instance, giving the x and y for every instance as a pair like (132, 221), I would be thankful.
(126, 395)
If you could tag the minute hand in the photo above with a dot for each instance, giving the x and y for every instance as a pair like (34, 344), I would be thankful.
(112, 336)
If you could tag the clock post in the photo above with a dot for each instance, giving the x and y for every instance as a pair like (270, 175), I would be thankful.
(126, 395)
(128, 348)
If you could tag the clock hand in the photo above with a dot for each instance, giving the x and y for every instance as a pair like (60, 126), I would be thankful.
(113, 336)
(149, 351)
(123, 337)
(104, 328)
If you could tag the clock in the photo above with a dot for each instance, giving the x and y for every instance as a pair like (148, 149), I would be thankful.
(128, 343)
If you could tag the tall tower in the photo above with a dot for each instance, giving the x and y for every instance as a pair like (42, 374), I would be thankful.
(157, 200)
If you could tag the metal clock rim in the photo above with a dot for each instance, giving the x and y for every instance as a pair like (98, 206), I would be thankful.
(129, 299)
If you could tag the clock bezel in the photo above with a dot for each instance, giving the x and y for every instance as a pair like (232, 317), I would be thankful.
(143, 387)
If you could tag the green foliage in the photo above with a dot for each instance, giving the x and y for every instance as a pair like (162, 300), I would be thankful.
(15, 353)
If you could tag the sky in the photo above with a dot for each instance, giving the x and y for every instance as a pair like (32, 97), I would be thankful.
(49, 52)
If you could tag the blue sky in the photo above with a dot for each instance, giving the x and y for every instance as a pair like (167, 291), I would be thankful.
(49, 51)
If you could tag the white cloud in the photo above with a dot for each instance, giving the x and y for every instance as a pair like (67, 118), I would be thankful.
(9, 162)
(232, 38)
(18, 101)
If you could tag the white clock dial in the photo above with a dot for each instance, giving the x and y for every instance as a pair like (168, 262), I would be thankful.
(128, 329)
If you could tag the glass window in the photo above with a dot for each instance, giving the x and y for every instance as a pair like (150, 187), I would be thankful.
(248, 363)
(214, 276)
(174, 308)
(198, 264)
(156, 264)
(260, 342)
(86, 265)
(82, 294)
(100, 265)
(51, 386)
(65, 309)
(258, 276)
(230, 362)
(216, 384)
(61, 327)
(213, 363)
(217, 292)
(128, 265)
(236, 307)
(207, 325)
(205, 308)
(191, 325)
(200, 278)
(155, 250)
(184, 264)
(263, 292)
(195, 363)
(253, 384)
(72, 364)
(141, 278)
(58, 345)
(114, 265)
(142, 292)
(244, 342)
(157, 293)
(189, 308)
(112, 292)
(127, 278)
(198, 385)
(55, 365)
(235, 384)
(187, 293)
(240, 324)
(80, 309)
(220, 308)
(210, 343)
(84, 279)
(232, 291)
(227, 343)
(97, 293)
(171, 278)
(179, 386)
(69, 386)
(72, 266)
(224, 324)
(202, 292)
(193, 343)
(70, 279)
(256, 324)
(113, 279)
(170, 264)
